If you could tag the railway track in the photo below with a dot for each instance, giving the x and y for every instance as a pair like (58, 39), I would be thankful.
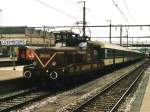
(21, 98)
(109, 99)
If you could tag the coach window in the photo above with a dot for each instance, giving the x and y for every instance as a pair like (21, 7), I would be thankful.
(117, 53)
(101, 53)
(120, 54)
(110, 53)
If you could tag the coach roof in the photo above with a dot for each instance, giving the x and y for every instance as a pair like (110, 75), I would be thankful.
(111, 46)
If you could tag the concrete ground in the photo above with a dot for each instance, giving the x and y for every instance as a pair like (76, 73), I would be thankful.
(139, 102)
(7, 73)
(146, 100)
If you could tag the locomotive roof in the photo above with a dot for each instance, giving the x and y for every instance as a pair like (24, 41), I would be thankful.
(65, 48)
(111, 46)
(33, 47)
(60, 48)
(53, 48)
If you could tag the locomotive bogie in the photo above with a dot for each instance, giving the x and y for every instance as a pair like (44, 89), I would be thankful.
(42, 74)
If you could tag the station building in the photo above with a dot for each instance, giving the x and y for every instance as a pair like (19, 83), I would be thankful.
(13, 37)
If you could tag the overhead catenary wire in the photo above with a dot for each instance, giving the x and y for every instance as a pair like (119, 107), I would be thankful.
(126, 5)
(120, 11)
(123, 25)
(58, 10)
(70, 1)
(124, 16)
(130, 14)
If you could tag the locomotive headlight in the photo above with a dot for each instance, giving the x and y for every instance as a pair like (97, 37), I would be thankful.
(63, 70)
(53, 63)
(34, 63)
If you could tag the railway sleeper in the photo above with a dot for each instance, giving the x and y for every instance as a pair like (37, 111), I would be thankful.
(7, 104)
(16, 101)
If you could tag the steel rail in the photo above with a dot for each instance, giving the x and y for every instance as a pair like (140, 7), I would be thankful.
(84, 104)
(21, 99)
(117, 104)
(16, 94)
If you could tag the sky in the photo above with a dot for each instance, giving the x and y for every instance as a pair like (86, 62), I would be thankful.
(67, 12)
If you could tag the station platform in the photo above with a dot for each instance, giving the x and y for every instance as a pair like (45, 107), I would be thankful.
(145, 105)
(8, 73)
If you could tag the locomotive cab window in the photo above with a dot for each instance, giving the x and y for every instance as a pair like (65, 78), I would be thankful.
(83, 46)
(101, 53)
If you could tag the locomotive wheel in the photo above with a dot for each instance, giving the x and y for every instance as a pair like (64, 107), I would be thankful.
(53, 75)
(27, 74)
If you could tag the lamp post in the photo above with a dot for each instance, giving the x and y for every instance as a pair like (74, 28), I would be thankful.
(12, 56)
(127, 36)
(44, 37)
(84, 17)
(120, 35)
(109, 30)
